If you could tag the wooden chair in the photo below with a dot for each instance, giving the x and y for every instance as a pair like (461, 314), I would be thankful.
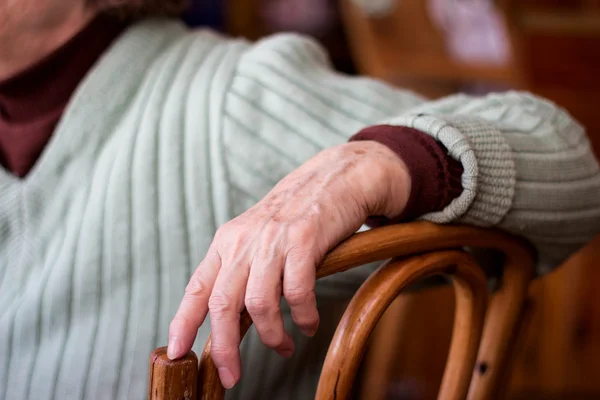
(483, 341)
(555, 51)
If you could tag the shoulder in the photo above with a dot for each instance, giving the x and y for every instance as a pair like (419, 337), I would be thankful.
(287, 49)
(162, 62)
(171, 40)
(169, 45)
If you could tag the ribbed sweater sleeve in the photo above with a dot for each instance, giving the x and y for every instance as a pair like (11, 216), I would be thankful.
(528, 166)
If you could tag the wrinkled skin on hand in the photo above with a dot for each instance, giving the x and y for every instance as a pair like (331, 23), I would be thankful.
(273, 250)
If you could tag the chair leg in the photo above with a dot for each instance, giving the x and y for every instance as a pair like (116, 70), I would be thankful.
(500, 331)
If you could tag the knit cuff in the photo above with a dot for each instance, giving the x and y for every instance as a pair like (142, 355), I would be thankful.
(435, 177)
(489, 176)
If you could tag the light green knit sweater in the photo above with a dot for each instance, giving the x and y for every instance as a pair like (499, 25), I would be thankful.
(175, 132)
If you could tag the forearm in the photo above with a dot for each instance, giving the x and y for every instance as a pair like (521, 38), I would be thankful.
(528, 169)
(525, 165)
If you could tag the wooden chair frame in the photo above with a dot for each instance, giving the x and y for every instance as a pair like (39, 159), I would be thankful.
(481, 349)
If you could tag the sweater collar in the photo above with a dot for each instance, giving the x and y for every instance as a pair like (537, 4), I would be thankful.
(47, 86)
(100, 101)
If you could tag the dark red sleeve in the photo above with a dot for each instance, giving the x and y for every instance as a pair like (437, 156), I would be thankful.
(435, 176)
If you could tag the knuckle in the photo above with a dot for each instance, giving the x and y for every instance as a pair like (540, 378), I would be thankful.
(238, 240)
(297, 295)
(299, 253)
(219, 304)
(196, 287)
(258, 304)
(230, 233)
(266, 252)
(272, 230)
(220, 352)
(221, 234)
(301, 235)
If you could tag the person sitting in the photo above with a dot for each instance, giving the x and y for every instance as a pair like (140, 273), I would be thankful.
(143, 161)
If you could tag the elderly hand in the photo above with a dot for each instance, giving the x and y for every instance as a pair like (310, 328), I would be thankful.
(275, 246)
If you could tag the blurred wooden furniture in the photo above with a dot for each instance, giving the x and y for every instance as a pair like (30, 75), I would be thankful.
(405, 48)
(244, 18)
(556, 54)
(481, 350)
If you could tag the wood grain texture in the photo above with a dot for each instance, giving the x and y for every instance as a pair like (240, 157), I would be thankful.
(384, 353)
(517, 345)
(172, 380)
(417, 238)
(379, 291)
(502, 328)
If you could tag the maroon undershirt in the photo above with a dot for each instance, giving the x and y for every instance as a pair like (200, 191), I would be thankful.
(32, 103)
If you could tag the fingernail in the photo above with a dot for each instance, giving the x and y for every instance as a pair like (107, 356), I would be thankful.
(286, 353)
(309, 332)
(174, 348)
(226, 378)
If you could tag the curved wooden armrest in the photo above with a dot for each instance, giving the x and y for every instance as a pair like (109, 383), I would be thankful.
(417, 238)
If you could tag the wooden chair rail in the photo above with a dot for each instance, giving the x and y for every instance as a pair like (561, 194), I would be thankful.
(404, 240)
(375, 296)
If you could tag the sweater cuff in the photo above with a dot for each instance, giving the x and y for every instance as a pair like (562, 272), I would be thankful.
(489, 175)
(435, 176)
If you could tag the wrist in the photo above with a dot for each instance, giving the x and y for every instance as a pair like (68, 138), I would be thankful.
(435, 177)
(381, 178)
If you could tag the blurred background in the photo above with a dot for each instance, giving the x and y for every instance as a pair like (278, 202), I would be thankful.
(439, 47)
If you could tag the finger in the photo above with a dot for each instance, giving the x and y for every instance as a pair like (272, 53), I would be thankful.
(299, 277)
(225, 305)
(263, 299)
(193, 307)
